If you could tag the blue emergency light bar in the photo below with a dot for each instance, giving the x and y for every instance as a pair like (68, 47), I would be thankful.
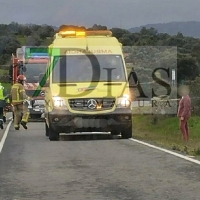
(38, 55)
(35, 52)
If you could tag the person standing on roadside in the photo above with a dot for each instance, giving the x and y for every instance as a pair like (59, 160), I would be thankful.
(184, 111)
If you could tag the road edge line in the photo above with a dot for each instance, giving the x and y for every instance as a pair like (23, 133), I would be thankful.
(166, 151)
(5, 136)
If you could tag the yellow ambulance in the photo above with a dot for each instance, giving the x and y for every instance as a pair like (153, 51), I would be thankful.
(87, 87)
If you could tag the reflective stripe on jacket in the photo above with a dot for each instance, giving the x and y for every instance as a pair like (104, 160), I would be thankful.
(2, 97)
(18, 94)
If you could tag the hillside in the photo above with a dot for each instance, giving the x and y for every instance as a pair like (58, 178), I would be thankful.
(14, 36)
(23, 40)
(190, 28)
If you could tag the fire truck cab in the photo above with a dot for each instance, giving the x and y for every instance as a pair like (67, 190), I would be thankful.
(31, 62)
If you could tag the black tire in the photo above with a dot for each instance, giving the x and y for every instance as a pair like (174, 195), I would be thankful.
(46, 130)
(114, 132)
(4, 119)
(53, 135)
(127, 133)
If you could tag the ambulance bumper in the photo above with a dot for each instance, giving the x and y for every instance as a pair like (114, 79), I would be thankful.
(66, 122)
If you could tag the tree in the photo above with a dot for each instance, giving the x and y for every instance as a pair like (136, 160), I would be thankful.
(24, 30)
(8, 45)
(150, 32)
(179, 35)
(118, 32)
(126, 41)
(187, 68)
(45, 31)
(33, 40)
(98, 27)
(13, 27)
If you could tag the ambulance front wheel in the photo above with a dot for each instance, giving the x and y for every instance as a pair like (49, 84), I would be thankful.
(46, 130)
(53, 135)
(127, 133)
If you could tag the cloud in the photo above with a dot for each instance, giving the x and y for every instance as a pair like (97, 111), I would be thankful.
(112, 13)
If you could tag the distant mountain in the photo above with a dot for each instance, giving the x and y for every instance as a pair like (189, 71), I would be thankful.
(190, 28)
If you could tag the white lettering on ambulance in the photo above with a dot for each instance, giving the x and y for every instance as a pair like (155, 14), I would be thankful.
(100, 51)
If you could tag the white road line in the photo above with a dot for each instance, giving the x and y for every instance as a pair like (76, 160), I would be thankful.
(167, 151)
(4, 136)
(10, 118)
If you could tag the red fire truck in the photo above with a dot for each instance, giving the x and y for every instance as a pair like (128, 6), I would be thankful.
(32, 65)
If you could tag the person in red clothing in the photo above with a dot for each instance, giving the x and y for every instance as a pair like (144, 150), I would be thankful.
(184, 111)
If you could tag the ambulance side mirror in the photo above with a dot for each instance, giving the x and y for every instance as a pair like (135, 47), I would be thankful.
(40, 80)
(20, 63)
(24, 68)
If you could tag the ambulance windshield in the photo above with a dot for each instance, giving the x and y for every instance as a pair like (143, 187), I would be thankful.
(88, 68)
(33, 71)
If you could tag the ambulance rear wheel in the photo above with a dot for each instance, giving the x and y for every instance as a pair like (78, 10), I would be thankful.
(53, 135)
(46, 130)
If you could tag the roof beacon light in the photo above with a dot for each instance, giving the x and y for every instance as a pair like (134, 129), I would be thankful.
(67, 32)
(80, 33)
(85, 33)
(72, 33)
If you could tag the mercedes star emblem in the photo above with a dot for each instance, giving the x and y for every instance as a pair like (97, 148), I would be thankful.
(92, 104)
(42, 93)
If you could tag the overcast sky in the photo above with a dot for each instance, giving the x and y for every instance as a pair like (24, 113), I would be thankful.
(112, 13)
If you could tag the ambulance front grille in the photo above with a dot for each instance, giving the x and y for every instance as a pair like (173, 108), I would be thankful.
(87, 104)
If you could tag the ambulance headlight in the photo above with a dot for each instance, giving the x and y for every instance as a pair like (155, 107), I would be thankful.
(123, 102)
(59, 102)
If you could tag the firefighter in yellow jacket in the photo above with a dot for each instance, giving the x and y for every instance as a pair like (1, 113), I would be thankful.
(19, 102)
(2, 104)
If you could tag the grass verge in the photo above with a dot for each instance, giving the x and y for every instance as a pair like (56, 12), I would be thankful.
(166, 133)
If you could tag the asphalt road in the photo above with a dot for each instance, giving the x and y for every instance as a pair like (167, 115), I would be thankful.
(33, 168)
(8, 116)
